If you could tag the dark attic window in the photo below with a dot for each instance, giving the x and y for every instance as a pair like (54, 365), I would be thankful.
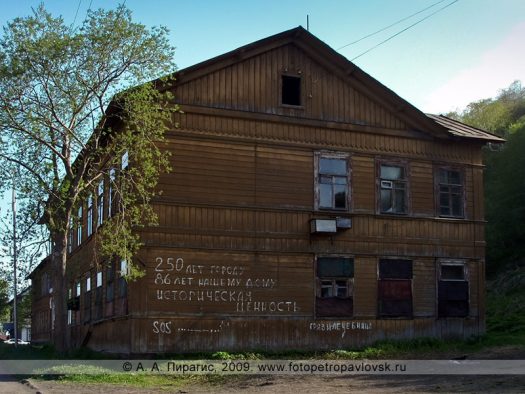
(291, 90)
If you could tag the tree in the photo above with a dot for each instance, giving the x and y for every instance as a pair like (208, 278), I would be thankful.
(504, 174)
(73, 102)
(500, 115)
(4, 300)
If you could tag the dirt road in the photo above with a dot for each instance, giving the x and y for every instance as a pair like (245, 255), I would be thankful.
(329, 384)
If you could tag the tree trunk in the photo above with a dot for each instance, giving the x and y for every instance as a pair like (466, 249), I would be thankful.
(60, 334)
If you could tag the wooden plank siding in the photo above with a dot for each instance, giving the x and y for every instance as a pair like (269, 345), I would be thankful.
(231, 264)
(259, 93)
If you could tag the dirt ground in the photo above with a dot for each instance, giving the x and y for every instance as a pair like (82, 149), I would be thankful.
(330, 384)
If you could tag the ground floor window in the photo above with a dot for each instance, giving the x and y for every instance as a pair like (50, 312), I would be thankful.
(394, 288)
(453, 289)
(335, 287)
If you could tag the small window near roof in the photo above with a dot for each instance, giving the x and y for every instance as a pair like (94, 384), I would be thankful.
(291, 90)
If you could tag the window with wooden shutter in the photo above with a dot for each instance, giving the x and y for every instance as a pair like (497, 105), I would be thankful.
(395, 288)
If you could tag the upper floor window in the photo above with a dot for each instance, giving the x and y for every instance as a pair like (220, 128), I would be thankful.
(450, 193)
(99, 278)
(332, 181)
(89, 215)
(291, 90)
(79, 225)
(124, 160)
(393, 188)
(70, 236)
(100, 203)
(111, 192)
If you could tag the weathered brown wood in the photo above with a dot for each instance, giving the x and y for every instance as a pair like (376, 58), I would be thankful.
(232, 262)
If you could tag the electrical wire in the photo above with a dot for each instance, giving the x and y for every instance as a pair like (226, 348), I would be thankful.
(76, 13)
(402, 31)
(389, 26)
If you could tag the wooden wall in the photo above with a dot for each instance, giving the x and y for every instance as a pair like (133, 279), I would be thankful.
(231, 264)
(254, 85)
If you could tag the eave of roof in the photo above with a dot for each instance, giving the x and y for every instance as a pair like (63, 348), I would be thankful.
(458, 129)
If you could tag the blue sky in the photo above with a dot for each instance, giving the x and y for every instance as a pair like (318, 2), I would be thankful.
(466, 52)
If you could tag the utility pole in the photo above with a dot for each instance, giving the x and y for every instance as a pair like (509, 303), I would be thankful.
(15, 319)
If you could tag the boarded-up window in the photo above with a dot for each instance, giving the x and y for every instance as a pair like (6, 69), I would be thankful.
(395, 288)
(332, 181)
(335, 283)
(453, 290)
(393, 189)
(450, 192)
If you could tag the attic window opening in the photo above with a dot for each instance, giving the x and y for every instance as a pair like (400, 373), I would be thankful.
(291, 90)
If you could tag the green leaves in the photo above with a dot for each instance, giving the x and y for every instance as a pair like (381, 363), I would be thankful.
(72, 100)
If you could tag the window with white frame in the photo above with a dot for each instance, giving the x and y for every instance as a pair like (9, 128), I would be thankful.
(70, 236)
(393, 188)
(111, 192)
(99, 279)
(335, 286)
(87, 299)
(79, 225)
(332, 181)
(89, 215)
(98, 296)
(453, 289)
(124, 160)
(100, 203)
(123, 284)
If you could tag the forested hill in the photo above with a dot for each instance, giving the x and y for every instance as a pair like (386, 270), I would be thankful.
(503, 115)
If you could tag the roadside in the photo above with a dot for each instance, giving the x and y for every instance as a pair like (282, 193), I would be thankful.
(313, 384)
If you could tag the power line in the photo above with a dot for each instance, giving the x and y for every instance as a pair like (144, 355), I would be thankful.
(405, 29)
(389, 26)
(76, 13)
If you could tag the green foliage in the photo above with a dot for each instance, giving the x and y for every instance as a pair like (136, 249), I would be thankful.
(500, 115)
(504, 201)
(504, 175)
(4, 299)
(72, 100)
(506, 304)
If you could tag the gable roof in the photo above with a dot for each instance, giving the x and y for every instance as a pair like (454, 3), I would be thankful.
(348, 72)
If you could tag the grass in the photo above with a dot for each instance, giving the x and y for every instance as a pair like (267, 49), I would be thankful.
(505, 326)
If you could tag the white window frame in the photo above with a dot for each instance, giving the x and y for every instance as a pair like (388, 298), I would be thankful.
(317, 180)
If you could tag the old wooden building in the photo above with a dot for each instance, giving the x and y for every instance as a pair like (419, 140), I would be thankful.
(308, 207)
